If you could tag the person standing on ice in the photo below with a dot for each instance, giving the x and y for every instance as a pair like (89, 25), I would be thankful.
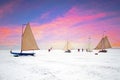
(49, 50)
(78, 50)
(82, 49)
(86, 50)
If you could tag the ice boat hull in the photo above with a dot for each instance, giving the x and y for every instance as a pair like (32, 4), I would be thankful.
(102, 51)
(68, 51)
(16, 54)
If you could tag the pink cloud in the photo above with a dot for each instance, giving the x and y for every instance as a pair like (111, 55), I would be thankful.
(12, 36)
(63, 28)
(4, 33)
(9, 36)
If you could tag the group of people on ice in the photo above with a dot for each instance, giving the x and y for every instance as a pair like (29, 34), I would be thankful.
(70, 50)
(87, 50)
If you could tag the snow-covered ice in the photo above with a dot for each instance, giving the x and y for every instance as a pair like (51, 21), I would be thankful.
(57, 65)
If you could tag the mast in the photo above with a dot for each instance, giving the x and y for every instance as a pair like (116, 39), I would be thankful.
(22, 36)
(103, 41)
(67, 45)
(89, 43)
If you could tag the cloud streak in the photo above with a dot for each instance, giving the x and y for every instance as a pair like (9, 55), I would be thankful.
(76, 25)
(70, 27)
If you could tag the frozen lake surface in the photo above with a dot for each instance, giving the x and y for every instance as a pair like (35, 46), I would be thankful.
(57, 65)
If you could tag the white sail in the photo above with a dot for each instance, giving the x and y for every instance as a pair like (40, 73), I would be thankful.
(67, 46)
(28, 40)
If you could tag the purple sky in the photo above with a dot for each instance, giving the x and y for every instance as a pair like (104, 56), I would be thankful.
(54, 22)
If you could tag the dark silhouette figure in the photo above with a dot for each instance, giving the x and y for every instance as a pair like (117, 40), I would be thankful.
(49, 50)
(82, 49)
(86, 50)
(78, 50)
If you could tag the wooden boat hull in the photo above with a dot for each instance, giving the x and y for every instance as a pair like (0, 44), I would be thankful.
(16, 54)
(68, 51)
(102, 51)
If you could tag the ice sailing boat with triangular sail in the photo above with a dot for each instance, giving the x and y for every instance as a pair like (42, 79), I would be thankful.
(103, 44)
(68, 47)
(27, 42)
(89, 49)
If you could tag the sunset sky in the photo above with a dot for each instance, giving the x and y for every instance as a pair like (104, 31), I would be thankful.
(54, 22)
